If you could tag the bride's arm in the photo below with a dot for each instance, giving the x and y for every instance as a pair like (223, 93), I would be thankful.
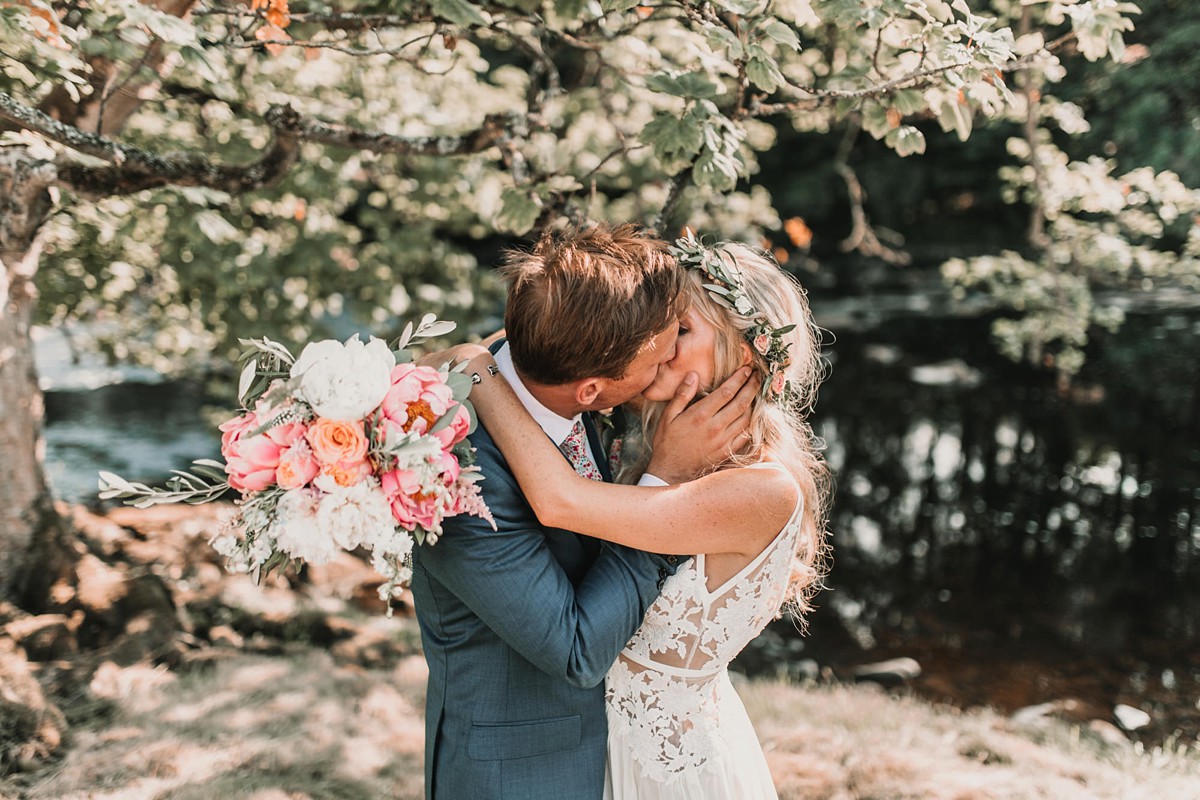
(729, 511)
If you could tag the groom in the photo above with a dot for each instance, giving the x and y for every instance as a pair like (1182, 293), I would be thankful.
(521, 624)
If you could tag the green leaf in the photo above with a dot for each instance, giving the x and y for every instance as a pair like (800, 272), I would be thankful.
(167, 27)
(215, 227)
(460, 12)
(908, 101)
(740, 7)
(764, 73)
(905, 140)
(569, 9)
(620, 6)
(957, 117)
(672, 138)
(721, 38)
(687, 84)
(198, 64)
(779, 32)
(519, 210)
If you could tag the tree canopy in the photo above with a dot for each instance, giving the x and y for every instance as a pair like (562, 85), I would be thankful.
(221, 168)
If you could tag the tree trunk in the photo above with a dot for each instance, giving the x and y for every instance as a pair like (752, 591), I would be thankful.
(35, 542)
(34, 548)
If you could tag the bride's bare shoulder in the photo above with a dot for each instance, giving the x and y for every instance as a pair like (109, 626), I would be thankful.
(762, 497)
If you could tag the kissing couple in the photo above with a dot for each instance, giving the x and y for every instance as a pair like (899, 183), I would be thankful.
(580, 649)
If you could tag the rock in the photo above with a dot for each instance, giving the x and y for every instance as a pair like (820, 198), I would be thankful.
(893, 672)
(1130, 718)
(804, 670)
(1108, 733)
(954, 372)
(1033, 715)
(31, 728)
(148, 637)
(225, 636)
(45, 637)
(101, 586)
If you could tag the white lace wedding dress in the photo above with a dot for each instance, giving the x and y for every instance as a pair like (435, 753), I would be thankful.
(676, 728)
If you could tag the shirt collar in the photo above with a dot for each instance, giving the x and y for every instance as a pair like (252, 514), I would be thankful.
(556, 427)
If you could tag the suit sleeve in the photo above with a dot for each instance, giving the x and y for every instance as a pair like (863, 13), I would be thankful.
(511, 580)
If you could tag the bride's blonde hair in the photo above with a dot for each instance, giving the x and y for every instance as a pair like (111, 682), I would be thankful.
(778, 427)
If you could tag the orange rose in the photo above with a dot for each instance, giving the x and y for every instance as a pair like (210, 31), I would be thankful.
(337, 441)
(346, 474)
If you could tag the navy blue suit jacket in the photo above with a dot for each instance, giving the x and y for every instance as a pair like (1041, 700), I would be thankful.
(520, 626)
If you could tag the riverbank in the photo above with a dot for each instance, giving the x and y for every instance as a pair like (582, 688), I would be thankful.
(162, 677)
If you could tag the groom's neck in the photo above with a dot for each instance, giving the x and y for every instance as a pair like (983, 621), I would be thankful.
(559, 398)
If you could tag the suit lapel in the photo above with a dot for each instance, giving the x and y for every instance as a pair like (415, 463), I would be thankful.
(598, 452)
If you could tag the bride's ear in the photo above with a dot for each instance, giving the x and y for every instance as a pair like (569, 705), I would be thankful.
(747, 355)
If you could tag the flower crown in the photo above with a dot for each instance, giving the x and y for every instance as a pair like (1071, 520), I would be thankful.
(725, 285)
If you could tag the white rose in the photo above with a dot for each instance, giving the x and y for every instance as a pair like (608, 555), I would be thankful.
(356, 515)
(297, 531)
(344, 381)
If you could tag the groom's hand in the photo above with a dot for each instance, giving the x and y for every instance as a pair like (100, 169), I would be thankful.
(692, 440)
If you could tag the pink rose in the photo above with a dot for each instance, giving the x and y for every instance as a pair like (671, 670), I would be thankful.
(297, 466)
(778, 382)
(417, 399)
(252, 461)
(458, 428)
(762, 343)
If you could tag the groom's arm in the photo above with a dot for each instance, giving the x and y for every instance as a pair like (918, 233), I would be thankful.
(511, 580)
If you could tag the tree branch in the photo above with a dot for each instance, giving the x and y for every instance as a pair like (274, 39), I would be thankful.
(134, 169)
(138, 169)
(678, 183)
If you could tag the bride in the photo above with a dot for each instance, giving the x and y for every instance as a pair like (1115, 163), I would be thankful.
(755, 524)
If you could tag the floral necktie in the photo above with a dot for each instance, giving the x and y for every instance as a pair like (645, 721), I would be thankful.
(574, 447)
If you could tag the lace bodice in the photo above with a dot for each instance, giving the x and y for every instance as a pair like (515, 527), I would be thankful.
(662, 691)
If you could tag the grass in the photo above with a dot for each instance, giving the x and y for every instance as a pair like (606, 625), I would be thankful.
(859, 743)
(302, 727)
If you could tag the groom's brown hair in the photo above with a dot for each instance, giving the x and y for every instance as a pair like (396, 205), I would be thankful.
(583, 303)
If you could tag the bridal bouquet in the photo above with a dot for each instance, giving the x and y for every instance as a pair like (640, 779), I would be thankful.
(350, 445)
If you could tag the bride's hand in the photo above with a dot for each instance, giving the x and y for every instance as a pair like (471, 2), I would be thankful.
(451, 356)
(690, 441)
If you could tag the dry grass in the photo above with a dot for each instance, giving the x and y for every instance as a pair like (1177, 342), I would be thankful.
(858, 743)
(253, 727)
(304, 728)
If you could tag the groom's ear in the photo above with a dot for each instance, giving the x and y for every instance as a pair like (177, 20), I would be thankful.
(587, 390)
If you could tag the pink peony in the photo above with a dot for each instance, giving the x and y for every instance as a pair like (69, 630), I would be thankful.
(450, 469)
(252, 461)
(410, 507)
(233, 430)
(417, 399)
(458, 428)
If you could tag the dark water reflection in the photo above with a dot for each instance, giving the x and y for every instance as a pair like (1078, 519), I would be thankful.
(1025, 543)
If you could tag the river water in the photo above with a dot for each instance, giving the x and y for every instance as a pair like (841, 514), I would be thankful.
(1025, 543)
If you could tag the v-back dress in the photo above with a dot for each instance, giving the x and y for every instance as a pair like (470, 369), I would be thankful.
(676, 728)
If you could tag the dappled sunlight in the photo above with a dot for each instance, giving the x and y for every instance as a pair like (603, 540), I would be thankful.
(138, 687)
(858, 742)
(296, 727)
